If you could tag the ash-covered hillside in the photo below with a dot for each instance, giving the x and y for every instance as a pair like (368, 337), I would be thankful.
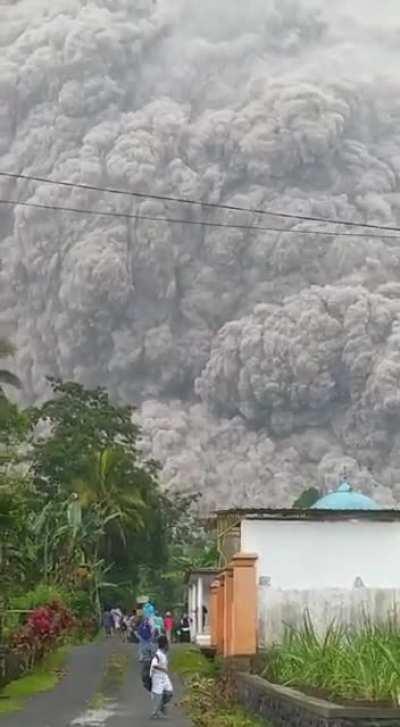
(262, 361)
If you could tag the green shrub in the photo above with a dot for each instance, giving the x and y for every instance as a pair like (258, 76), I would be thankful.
(41, 595)
(356, 665)
(80, 603)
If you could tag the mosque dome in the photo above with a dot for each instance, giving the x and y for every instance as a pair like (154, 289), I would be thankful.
(344, 498)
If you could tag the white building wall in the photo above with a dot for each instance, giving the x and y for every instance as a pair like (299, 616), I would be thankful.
(316, 566)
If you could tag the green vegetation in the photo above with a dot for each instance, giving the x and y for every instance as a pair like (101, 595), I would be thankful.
(82, 515)
(6, 377)
(42, 679)
(99, 495)
(188, 661)
(209, 699)
(307, 499)
(184, 543)
(361, 665)
(41, 595)
(83, 522)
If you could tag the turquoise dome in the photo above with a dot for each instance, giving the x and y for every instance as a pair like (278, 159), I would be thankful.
(345, 499)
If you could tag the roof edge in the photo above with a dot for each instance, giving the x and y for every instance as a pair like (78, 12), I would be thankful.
(308, 514)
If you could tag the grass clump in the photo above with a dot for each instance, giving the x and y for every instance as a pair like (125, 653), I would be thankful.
(190, 661)
(209, 699)
(113, 679)
(346, 664)
(42, 678)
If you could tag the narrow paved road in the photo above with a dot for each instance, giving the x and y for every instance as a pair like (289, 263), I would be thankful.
(101, 688)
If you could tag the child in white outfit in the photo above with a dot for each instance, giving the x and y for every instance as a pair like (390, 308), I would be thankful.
(161, 687)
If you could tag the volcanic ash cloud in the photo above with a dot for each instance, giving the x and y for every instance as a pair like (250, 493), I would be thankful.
(261, 357)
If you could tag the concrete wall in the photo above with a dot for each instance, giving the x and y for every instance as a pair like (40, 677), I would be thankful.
(13, 666)
(279, 607)
(285, 707)
(317, 566)
(308, 555)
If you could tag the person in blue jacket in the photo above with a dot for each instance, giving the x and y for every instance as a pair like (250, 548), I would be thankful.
(145, 636)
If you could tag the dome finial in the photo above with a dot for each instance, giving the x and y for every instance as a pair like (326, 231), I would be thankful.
(344, 481)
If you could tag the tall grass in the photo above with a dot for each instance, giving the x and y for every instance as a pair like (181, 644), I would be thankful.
(350, 664)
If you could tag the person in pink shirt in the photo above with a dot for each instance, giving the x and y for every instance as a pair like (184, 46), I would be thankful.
(169, 626)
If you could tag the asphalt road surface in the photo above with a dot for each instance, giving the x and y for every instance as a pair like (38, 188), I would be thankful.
(101, 688)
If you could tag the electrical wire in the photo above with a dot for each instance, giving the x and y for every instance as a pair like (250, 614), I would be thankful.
(184, 200)
(198, 223)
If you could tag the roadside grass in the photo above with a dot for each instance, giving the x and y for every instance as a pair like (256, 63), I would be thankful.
(188, 661)
(355, 665)
(98, 637)
(42, 678)
(208, 698)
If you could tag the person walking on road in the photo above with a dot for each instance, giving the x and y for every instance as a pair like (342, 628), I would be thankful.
(169, 626)
(145, 636)
(158, 623)
(117, 617)
(108, 622)
(148, 610)
(161, 686)
(123, 628)
(132, 623)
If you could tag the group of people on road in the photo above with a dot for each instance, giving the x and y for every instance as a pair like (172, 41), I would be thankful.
(143, 625)
(154, 634)
(154, 625)
(116, 622)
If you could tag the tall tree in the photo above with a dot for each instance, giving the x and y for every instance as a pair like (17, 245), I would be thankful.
(90, 448)
(307, 499)
(178, 540)
(16, 554)
(115, 486)
(13, 424)
(7, 377)
(82, 422)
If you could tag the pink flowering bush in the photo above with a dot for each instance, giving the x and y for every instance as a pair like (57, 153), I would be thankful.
(45, 627)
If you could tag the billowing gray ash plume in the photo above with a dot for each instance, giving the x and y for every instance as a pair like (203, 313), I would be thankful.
(262, 361)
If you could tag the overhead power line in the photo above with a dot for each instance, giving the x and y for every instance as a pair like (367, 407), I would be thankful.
(198, 223)
(185, 200)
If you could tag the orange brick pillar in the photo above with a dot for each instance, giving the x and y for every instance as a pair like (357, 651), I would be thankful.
(228, 611)
(221, 614)
(244, 621)
(213, 612)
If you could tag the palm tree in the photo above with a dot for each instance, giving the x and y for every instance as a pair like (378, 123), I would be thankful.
(6, 377)
(113, 486)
